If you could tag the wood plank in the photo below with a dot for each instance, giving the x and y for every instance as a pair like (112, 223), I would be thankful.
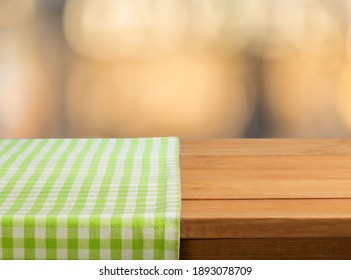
(264, 174)
(200, 188)
(224, 177)
(259, 147)
(269, 182)
(266, 249)
(266, 199)
(265, 218)
(293, 163)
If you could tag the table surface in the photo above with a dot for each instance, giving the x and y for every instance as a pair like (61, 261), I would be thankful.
(265, 188)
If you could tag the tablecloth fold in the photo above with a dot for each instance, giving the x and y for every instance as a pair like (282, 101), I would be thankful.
(89, 198)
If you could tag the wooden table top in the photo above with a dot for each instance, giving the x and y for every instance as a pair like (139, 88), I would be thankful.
(265, 188)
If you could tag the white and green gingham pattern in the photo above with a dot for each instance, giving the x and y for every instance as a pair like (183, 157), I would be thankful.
(89, 198)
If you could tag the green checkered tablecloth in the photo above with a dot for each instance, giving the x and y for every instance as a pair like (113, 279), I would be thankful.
(89, 198)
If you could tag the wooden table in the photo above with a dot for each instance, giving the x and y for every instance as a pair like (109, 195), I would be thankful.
(266, 199)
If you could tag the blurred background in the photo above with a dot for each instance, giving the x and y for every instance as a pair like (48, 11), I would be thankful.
(188, 68)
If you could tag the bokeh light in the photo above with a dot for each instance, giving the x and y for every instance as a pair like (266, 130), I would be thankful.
(190, 68)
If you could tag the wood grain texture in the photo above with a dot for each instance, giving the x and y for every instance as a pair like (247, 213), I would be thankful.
(265, 169)
(261, 147)
(265, 188)
(265, 218)
(266, 249)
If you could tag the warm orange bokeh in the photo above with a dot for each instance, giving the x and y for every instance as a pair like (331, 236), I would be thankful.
(190, 68)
